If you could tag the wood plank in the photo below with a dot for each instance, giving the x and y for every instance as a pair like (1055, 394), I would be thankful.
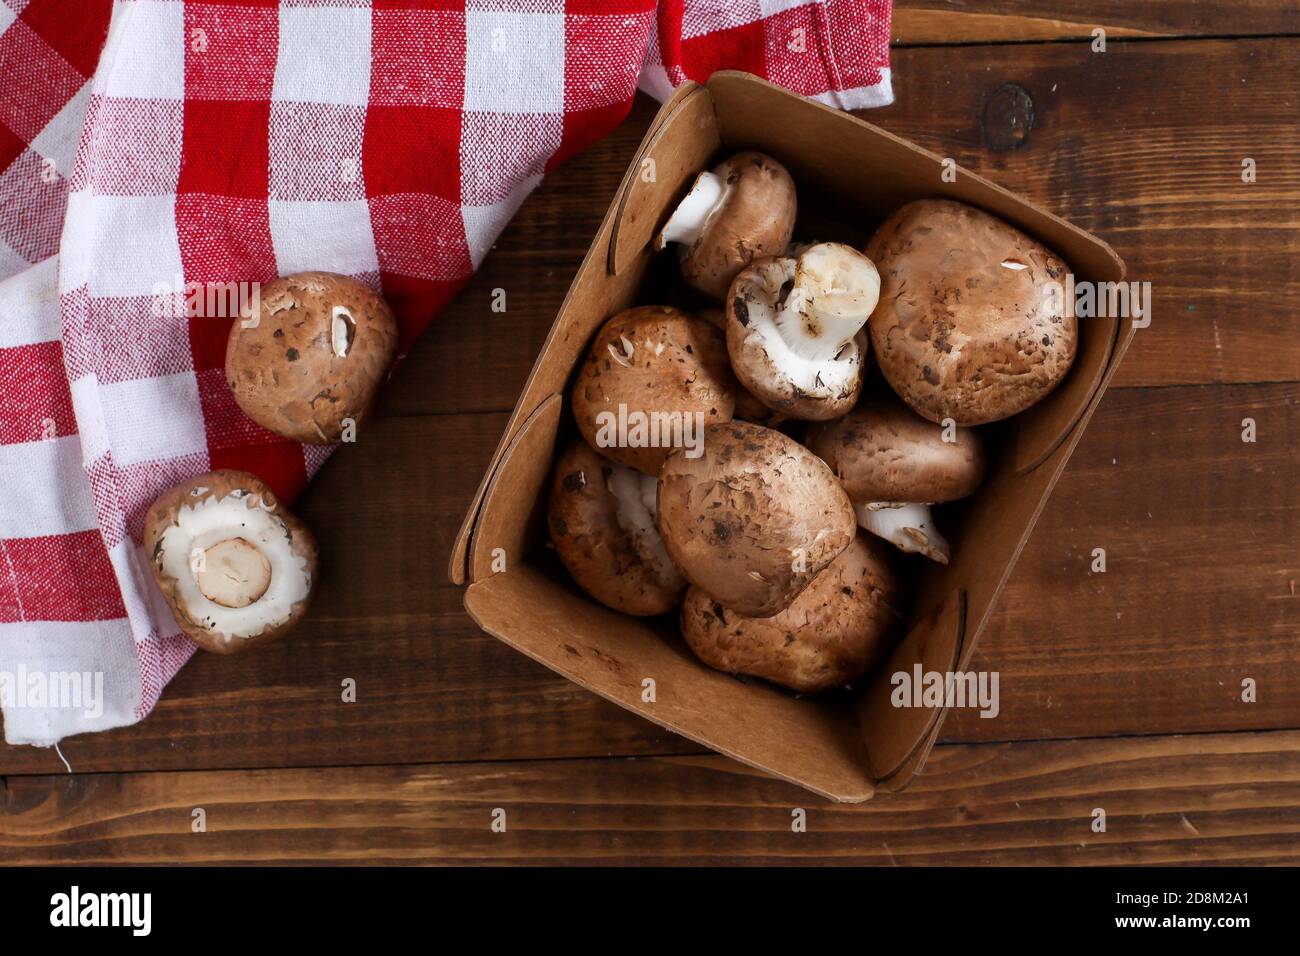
(1194, 522)
(1223, 798)
(1142, 144)
(936, 22)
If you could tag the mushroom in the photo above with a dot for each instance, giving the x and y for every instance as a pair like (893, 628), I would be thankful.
(794, 329)
(839, 627)
(235, 567)
(894, 465)
(748, 407)
(601, 516)
(752, 520)
(307, 358)
(970, 325)
(653, 378)
(744, 209)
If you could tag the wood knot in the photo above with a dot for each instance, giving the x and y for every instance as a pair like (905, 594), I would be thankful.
(1007, 119)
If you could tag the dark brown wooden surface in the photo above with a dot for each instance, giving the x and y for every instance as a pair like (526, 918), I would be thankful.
(1212, 798)
(1143, 144)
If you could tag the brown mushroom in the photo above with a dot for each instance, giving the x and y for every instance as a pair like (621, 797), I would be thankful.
(601, 517)
(653, 378)
(744, 209)
(794, 329)
(970, 325)
(753, 519)
(236, 568)
(307, 358)
(894, 465)
(838, 628)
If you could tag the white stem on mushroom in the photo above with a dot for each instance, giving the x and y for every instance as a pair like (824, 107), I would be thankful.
(637, 506)
(834, 292)
(688, 220)
(758, 306)
(906, 525)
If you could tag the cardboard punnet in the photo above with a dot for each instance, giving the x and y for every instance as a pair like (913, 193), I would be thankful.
(854, 175)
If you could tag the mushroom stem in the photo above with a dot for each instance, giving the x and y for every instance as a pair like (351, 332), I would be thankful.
(908, 526)
(834, 292)
(687, 222)
(637, 510)
(233, 573)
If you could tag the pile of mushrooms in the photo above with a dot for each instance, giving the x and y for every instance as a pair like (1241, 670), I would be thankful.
(737, 464)
(304, 360)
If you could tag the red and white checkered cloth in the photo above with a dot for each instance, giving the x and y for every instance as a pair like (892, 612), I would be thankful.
(149, 144)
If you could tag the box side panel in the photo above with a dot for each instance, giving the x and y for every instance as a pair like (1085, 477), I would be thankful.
(509, 519)
(813, 743)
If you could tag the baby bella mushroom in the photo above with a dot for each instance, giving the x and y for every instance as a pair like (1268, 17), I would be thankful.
(794, 329)
(601, 516)
(307, 359)
(971, 324)
(894, 465)
(744, 209)
(754, 519)
(836, 630)
(236, 568)
(653, 378)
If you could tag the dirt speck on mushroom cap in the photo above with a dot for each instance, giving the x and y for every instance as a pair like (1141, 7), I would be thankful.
(754, 519)
(312, 356)
(965, 327)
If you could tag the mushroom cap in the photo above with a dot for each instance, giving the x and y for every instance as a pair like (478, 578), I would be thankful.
(753, 519)
(236, 568)
(310, 354)
(754, 219)
(763, 364)
(840, 627)
(604, 531)
(665, 368)
(966, 327)
(882, 451)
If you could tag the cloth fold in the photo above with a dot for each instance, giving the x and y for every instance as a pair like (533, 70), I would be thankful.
(167, 149)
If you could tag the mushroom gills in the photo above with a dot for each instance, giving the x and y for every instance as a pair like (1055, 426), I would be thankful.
(636, 495)
(835, 288)
(689, 219)
(828, 376)
(235, 568)
(906, 525)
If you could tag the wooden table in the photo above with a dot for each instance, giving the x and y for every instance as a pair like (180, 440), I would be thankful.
(1120, 690)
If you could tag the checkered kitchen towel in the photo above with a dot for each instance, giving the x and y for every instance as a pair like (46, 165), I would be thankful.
(149, 144)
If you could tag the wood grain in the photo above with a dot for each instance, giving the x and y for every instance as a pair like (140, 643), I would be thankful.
(1222, 798)
(1199, 531)
(917, 22)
